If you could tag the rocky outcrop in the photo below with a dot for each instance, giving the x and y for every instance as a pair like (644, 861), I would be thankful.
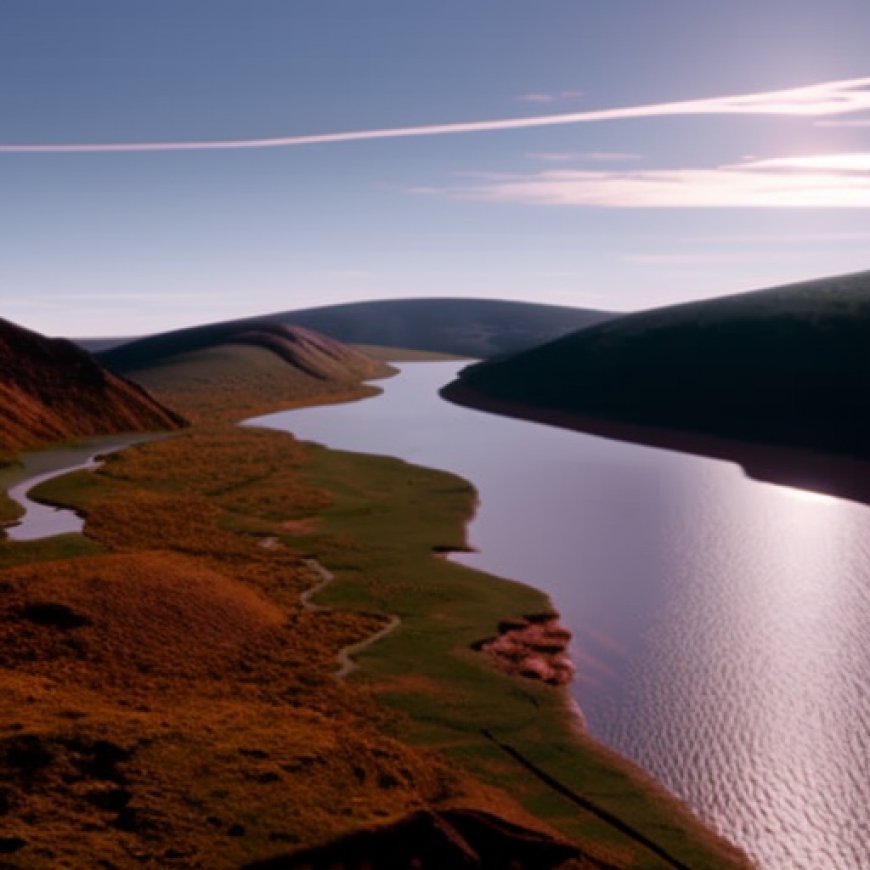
(534, 646)
(51, 390)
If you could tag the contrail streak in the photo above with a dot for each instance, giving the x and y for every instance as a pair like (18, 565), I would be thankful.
(820, 100)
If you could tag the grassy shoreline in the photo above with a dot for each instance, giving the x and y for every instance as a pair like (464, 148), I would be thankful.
(449, 696)
(379, 524)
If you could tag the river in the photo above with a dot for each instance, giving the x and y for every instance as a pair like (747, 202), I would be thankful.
(720, 624)
(42, 520)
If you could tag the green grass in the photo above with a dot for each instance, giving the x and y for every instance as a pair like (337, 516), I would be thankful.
(46, 549)
(378, 539)
(9, 510)
(231, 382)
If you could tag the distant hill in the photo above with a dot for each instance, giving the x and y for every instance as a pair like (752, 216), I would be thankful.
(788, 366)
(242, 368)
(51, 390)
(466, 327)
(474, 328)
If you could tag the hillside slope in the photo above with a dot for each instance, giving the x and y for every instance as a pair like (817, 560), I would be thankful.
(233, 370)
(464, 327)
(788, 366)
(51, 390)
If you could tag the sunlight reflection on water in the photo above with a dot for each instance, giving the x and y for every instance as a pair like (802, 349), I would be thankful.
(720, 623)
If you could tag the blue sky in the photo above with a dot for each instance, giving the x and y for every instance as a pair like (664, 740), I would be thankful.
(621, 213)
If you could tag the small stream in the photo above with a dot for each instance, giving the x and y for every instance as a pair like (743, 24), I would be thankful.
(36, 467)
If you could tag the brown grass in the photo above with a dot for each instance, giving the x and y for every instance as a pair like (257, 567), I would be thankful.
(171, 703)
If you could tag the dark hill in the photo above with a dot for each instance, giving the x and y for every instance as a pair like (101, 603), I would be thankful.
(235, 369)
(788, 366)
(52, 390)
(464, 327)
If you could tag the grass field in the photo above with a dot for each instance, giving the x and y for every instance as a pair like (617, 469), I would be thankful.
(235, 381)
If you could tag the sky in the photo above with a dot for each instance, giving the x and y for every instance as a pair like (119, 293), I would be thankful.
(170, 163)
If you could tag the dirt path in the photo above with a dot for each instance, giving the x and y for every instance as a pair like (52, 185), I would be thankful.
(346, 664)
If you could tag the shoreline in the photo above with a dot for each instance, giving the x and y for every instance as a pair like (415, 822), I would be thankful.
(831, 474)
(429, 673)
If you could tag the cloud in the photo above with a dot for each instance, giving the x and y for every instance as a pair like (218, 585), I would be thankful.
(854, 122)
(824, 181)
(683, 260)
(779, 239)
(574, 156)
(538, 97)
(819, 100)
(823, 162)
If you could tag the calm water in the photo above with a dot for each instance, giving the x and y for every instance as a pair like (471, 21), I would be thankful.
(722, 626)
(45, 521)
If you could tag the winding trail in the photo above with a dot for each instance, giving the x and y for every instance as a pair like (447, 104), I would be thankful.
(346, 664)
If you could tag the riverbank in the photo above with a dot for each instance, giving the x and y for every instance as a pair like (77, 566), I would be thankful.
(838, 475)
(210, 497)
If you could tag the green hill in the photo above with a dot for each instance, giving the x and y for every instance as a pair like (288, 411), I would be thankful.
(787, 366)
(234, 370)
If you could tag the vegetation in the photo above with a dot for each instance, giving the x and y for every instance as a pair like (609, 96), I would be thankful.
(173, 700)
(169, 695)
(787, 366)
(231, 382)
(9, 510)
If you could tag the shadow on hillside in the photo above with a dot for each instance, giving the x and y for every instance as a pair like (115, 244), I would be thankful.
(436, 840)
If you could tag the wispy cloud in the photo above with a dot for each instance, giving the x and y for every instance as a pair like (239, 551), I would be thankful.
(851, 122)
(774, 239)
(824, 181)
(821, 162)
(538, 97)
(684, 260)
(819, 100)
(577, 156)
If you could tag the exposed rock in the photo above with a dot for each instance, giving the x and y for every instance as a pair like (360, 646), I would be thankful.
(534, 646)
